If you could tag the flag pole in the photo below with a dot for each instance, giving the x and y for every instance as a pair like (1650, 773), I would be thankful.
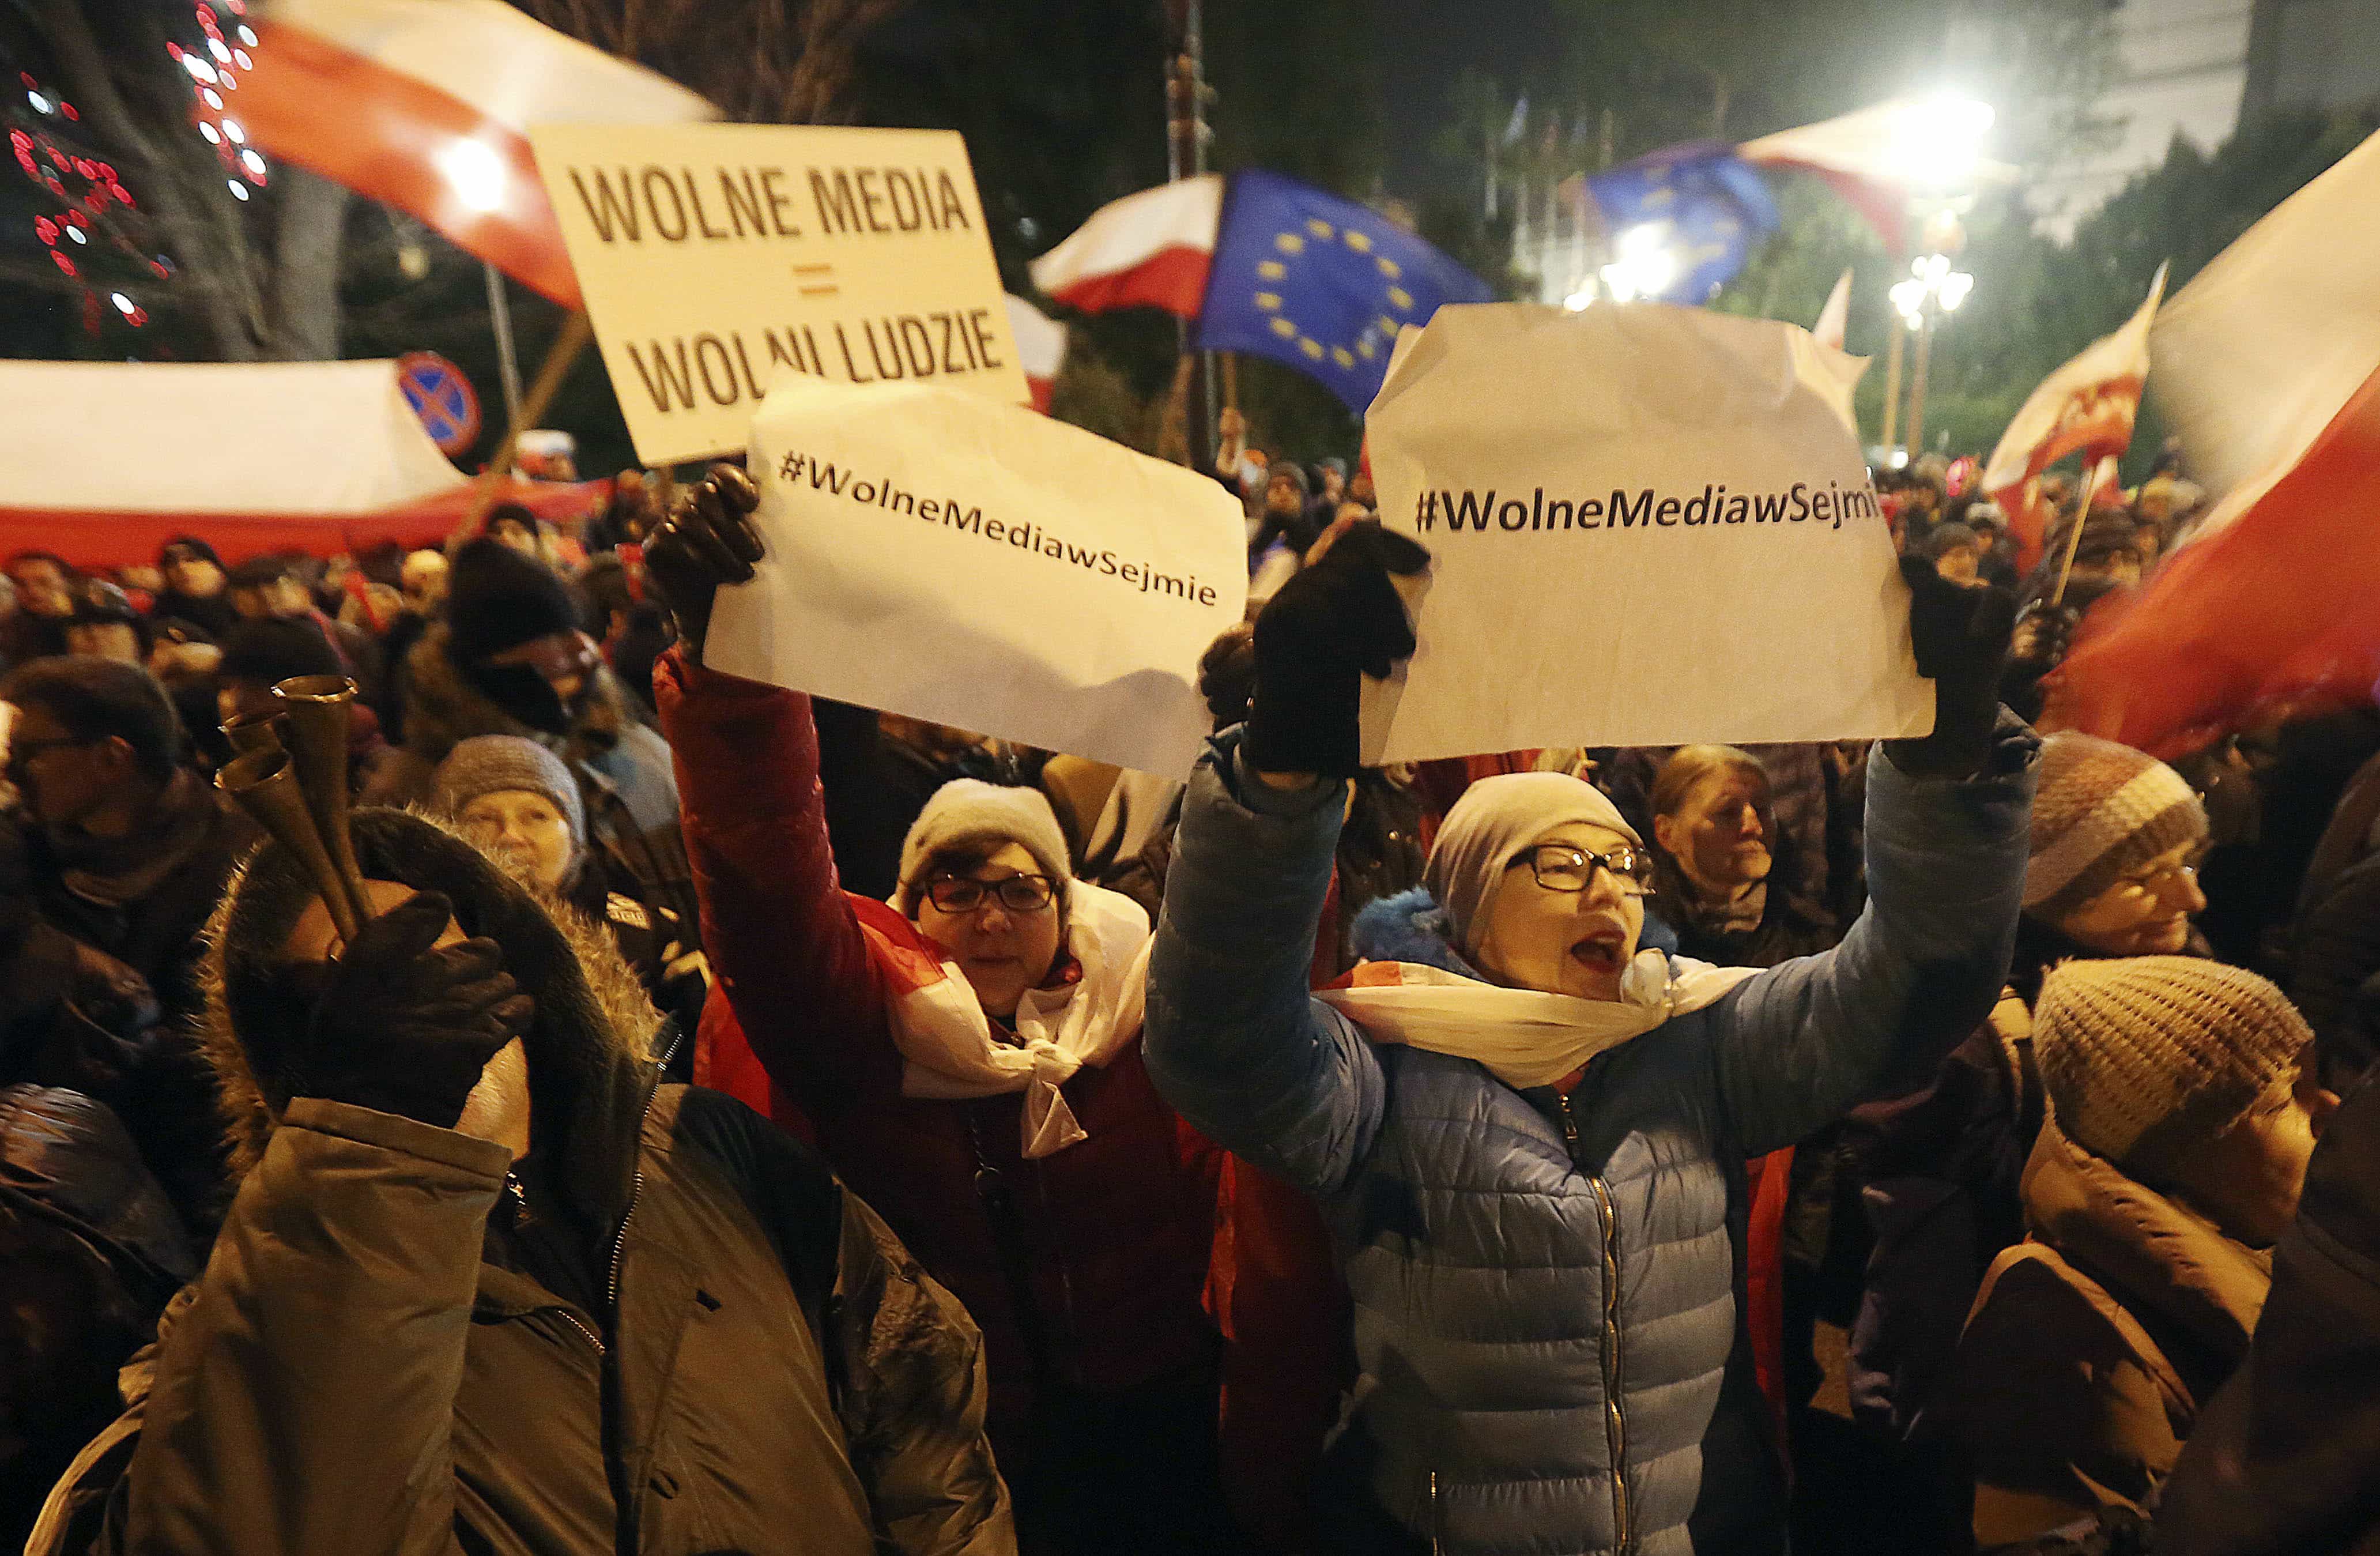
(2089, 483)
(575, 333)
(1186, 92)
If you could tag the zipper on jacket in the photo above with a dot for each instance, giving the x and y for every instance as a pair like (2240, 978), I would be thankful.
(519, 1191)
(1615, 1415)
(1437, 1532)
(620, 1238)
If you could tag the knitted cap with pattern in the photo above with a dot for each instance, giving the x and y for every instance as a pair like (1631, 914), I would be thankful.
(2145, 1053)
(487, 764)
(2102, 810)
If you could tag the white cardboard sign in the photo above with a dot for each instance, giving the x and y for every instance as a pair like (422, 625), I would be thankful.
(1651, 525)
(714, 257)
(942, 555)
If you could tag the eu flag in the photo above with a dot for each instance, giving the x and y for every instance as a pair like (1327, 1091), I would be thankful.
(1686, 217)
(1321, 284)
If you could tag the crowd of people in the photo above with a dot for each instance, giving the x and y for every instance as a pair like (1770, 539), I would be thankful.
(744, 1121)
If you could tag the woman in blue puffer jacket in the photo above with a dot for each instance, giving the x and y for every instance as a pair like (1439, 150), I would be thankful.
(1526, 1132)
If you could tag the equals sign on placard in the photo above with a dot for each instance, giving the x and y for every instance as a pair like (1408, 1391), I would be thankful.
(816, 280)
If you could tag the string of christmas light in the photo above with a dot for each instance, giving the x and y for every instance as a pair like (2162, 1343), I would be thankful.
(214, 72)
(98, 216)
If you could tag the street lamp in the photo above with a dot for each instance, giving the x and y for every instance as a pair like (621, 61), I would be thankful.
(1936, 147)
(1933, 290)
(475, 176)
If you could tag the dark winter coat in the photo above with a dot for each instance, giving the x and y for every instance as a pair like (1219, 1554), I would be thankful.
(684, 1336)
(1090, 1278)
(2337, 959)
(2093, 1346)
(1546, 1289)
(2286, 1461)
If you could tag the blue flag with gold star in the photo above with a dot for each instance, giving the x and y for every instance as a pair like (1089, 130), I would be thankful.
(1321, 284)
(1684, 219)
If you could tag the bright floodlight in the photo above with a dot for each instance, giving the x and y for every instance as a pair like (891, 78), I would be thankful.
(474, 173)
(1940, 142)
(1645, 265)
(1908, 299)
(1954, 289)
(1580, 300)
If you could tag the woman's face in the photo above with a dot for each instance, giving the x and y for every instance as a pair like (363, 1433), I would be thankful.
(1564, 942)
(2248, 1178)
(1002, 951)
(2145, 914)
(1716, 836)
(526, 831)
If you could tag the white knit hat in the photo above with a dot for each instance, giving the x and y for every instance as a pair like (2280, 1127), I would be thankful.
(969, 810)
(2158, 1051)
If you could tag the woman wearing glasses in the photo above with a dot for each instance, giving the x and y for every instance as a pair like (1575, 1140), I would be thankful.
(1523, 1127)
(968, 1058)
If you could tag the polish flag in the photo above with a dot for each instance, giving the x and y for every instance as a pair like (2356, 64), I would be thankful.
(1040, 348)
(2089, 404)
(2271, 360)
(1149, 249)
(1836, 315)
(425, 105)
(1877, 158)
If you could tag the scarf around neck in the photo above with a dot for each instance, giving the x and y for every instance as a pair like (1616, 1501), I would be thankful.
(948, 1048)
(1522, 1038)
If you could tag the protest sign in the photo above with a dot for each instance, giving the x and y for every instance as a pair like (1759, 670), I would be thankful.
(943, 556)
(714, 257)
(1651, 525)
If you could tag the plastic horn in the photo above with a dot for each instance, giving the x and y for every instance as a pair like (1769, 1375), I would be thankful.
(266, 786)
(253, 732)
(316, 708)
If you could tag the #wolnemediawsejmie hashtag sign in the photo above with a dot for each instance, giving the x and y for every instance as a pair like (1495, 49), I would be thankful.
(716, 258)
(942, 555)
(1651, 525)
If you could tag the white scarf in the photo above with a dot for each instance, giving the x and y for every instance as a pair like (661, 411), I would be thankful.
(945, 1038)
(1524, 1038)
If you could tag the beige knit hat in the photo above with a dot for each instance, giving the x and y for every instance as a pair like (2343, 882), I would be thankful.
(968, 810)
(2143, 1052)
(2102, 810)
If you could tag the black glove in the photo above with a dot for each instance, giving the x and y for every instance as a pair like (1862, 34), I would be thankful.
(1960, 637)
(1335, 622)
(707, 540)
(403, 1029)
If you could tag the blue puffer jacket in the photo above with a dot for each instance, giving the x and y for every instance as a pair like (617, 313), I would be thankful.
(1545, 1288)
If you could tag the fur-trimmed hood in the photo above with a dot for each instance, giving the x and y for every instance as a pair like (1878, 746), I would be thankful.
(443, 708)
(590, 1048)
(1409, 927)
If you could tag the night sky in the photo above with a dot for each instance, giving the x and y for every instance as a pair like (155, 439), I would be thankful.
(1425, 44)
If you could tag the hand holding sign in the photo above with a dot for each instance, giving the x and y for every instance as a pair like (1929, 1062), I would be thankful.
(936, 553)
(1651, 527)
(707, 540)
(1336, 622)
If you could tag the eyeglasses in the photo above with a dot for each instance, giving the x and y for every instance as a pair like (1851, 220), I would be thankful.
(1017, 893)
(1560, 866)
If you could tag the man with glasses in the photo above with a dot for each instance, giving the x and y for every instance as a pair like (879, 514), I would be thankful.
(111, 864)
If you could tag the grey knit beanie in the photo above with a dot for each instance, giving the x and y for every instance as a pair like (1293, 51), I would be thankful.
(2143, 1055)
(2102, 811)
(487, 764)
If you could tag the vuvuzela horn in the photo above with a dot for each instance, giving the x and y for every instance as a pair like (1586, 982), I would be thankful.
(265, 784)
(317, 710)
(251, 732)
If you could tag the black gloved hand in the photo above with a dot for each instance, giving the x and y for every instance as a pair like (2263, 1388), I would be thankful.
(403, 1029)
(707, 540)
(1960, 637)
(1336, 622)
(2044, 632)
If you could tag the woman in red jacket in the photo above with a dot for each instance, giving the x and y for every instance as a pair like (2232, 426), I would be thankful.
(968, 1058)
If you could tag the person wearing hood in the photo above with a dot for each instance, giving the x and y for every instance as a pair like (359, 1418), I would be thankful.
(1527, 1132)
(510, 658)
(1285, 530)
(486, 1286)
(45, 603)
(195, 586)
(2169, 1164)
(514, 799)
(2110, 872)
(969, 1056)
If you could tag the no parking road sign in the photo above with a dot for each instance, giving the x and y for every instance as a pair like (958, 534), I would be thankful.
(443, 398)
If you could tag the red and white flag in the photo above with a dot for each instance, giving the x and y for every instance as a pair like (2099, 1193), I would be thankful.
(2087, 406)
(1150, 249)
(425, 104)
(2272, 366)
(1040, 348)
(1836, 315)
(1877, 158)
